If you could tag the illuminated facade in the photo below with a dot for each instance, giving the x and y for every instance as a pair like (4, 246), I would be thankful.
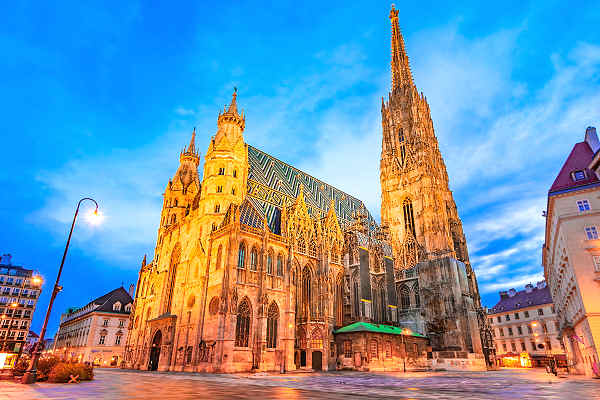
(258, 263)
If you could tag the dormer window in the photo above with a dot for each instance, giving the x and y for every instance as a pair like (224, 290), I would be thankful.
(583, 205)
(578, 175)
(117, 306)
(128, 307)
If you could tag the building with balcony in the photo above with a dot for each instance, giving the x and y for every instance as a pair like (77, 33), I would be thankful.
(19, 293)
(571, 253)
(96, 332)
(525, 328)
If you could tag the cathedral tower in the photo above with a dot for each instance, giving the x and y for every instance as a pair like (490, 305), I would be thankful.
(225, 167)
(416, 202)
(183, 188)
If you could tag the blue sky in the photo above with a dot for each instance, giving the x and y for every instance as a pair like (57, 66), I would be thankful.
(98, 99)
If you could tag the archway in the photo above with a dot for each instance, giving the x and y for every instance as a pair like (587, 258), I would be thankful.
(155, 351)
(317, 360)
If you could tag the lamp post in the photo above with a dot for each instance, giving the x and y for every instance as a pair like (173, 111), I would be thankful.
(30, 374)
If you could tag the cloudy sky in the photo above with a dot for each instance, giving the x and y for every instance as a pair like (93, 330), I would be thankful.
(98, 101)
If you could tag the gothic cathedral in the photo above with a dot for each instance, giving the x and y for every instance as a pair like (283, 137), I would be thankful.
(259, 266)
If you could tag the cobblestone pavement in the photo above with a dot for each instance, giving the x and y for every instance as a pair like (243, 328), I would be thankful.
(123, 384)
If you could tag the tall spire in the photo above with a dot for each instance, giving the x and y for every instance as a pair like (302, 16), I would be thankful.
(192, 146)
(231, 114)
(401, 74)
(233, 106)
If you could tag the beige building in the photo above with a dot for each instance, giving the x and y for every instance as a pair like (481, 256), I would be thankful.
(571, 253)
(96, 333)
(525, 327)
(257, 263)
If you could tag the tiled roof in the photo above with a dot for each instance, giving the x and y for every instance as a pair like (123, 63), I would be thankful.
(273, 184)
(522, 299)
(578, 160)
(377, 328)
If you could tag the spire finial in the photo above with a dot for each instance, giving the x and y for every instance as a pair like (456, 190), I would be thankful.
(233, 106)
(192, 146)
(401, 74)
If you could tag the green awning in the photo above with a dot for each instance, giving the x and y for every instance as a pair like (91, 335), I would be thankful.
(377, 328)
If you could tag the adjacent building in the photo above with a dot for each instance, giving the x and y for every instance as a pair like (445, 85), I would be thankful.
(260, 266)
(571, 253)
(19, 293)
(96, 332)
(525, 328)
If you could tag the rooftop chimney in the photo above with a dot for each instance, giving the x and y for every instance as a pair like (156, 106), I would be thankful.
(131, 292)
(529, 288)
(591, 139)
(6, 259)
(512, 292)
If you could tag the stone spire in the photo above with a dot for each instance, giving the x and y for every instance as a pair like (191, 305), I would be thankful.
(190, 153)
(192, 146)
(231, 114)
(401, 74)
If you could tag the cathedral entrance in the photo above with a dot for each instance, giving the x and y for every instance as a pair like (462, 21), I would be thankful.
(155, 351)
(302, 358)
(317, 360)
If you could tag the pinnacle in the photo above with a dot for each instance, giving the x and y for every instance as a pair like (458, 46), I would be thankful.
(233, 106)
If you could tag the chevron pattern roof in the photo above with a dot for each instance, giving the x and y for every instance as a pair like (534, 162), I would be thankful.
(273, 184)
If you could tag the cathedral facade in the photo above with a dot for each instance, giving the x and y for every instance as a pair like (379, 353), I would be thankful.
(257, 264)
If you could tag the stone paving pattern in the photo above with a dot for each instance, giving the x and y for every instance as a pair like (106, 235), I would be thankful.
(124, 384)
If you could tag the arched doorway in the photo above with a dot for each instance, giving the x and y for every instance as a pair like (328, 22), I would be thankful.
(155, 351)
(317, 360)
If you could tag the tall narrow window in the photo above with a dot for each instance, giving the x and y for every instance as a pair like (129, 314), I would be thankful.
(417, 296)
(306, 297)
(221, 171)
(356, 301)
(409, 219)
(171, 277)
(242, 256)
(217, 208)
(270, 264)
(405, 297)
(279, 266)
(242, 326)
(234, 173)
(401, 146)
(272, 321)
(339, 302)
(253, 260)
(373, 349)
(219, 189)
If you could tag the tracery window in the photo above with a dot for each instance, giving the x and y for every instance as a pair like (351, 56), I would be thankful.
(404, 297)
(279, 266)
(272, 322)
(253, 260)
(373, 349)
(306, 292)
(242, 256)
(409, 219)
(172, 275)
(417, 296)
(316, 339)
(242, 326)
(270, 264)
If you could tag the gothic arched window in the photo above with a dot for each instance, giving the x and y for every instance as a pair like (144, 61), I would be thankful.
(417, 296)
(270, 263)
(242, 326)
(253, 260)
(404, 297)
(279, 266)
(339, 301)
(356, 301)
(401, 146)
(242, 256)
(272, 321)
(316, 339)
(172, 275)
(409, 219)
(306, 289)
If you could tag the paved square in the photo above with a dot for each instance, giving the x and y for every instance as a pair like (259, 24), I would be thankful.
(123, 384)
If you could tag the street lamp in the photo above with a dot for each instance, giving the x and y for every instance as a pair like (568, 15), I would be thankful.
(30, 375)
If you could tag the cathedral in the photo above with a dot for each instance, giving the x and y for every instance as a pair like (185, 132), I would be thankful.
(259, 266)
